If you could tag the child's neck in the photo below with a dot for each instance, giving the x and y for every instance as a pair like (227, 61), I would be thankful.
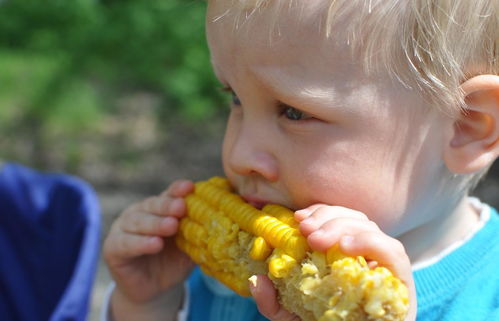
(429, 240)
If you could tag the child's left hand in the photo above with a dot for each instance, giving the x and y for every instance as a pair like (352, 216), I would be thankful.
(356, 235)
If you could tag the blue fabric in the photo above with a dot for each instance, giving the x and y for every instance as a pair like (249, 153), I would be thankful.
(463, 286)
(49, 245)
(206, 306)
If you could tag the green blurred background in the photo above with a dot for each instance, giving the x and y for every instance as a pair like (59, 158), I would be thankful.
(70, 69)
(120, 93)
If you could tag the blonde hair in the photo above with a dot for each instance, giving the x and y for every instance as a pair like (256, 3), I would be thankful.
(428, 45)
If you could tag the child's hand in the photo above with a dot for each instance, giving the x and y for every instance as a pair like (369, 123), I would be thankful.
(140, 249)
(356, 235)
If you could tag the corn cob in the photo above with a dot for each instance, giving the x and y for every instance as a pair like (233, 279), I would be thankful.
(231, 241)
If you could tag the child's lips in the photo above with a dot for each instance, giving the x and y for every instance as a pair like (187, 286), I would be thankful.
(255, 201)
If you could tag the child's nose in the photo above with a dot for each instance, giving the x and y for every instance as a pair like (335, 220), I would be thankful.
(251, 153)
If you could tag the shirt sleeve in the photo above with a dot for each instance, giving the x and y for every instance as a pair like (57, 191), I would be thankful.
(183, 313)
(106, 306)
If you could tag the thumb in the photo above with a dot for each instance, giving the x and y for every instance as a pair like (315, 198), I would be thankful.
(265, 296)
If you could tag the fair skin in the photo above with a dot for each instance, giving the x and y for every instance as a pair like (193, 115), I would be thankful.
(361, 158)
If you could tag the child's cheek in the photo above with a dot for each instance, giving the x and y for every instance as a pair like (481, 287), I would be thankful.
(379, 199)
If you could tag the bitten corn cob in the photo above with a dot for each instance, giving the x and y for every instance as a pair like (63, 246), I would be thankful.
(231, 241)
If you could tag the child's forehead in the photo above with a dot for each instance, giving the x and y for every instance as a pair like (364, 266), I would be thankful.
(297, 59)
(267, 29)
(263, 40)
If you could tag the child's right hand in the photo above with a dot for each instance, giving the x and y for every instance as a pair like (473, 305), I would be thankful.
(325, 226)
(141, 254)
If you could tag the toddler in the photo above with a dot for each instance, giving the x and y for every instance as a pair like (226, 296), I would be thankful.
(372, 120)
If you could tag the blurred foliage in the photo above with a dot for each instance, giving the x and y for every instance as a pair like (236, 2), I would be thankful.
(65, 64)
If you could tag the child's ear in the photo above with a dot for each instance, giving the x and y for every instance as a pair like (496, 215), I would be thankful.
(475, 142)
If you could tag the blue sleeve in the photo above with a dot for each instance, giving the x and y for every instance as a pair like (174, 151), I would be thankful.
(49, 241)
(207, 306)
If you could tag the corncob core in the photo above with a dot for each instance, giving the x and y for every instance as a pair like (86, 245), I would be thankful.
(231, 241)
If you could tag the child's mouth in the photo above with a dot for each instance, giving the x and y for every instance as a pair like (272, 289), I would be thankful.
(255, 201)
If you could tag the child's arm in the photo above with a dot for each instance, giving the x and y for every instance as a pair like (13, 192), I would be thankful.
(143, 259)
(325, 226)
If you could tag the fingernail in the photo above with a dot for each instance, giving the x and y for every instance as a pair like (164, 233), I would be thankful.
(303, 212)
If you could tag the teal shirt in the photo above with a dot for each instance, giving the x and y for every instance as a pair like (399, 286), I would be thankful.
(464, 285)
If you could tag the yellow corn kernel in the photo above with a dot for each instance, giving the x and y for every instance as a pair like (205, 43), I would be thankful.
(194, 232)
(232, 241)
(281, 213)
(260, 249)
(280, 265)
(334, 254)
(220, 182)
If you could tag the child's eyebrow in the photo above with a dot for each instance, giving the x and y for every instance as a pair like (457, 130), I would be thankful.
(292, 89)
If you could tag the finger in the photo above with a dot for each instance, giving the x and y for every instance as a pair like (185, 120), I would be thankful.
(322, 213)
(387, 252)
(155, 204)
(126, 246)
(379, 247)
(265, 296)
(163, 205)
(327, 213)
(334, 211)
(179, 188)
(302, 214)
(148, 224)
(331, 231)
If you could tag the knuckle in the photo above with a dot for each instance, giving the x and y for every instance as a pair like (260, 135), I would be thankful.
(398, 247)
(134, 223)
(351, 213)
(361, 215)
(332, 224)
(375, 239)
(372, 225)
(164, 204)
(322, 212)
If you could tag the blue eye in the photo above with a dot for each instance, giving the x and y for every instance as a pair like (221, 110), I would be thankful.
(292, 113)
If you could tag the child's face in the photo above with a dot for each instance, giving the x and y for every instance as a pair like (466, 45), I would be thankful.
(311, 127)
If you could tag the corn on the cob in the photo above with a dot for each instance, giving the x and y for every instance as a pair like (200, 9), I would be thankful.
(231, 240)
